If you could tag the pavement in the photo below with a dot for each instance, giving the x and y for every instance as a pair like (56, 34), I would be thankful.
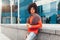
(2, 36)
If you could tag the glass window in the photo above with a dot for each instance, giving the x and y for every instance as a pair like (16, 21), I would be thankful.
(15, 12)
(6, 14)
(50, 13)
(46, 8)
(6, 20)
(9, 12)
(23, 10)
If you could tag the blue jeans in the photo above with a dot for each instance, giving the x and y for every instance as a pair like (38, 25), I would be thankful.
(31, 36)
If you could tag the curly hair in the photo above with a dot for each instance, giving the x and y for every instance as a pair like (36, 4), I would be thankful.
(34, 6)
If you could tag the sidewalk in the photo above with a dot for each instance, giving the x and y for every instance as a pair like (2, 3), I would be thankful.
(2, 36)
(19, 31)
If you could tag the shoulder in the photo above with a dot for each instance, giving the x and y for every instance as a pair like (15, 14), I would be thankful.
(36, 15)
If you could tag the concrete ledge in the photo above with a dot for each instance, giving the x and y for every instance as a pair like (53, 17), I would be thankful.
(44, 26)
(47, 28)
(47, 31)
(57, 32)
(18, 32)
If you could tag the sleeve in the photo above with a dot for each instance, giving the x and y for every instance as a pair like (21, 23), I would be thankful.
(27, 20)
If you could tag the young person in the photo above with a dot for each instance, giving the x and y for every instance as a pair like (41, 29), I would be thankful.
(34, 22)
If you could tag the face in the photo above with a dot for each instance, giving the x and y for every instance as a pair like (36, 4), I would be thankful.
(32, 10)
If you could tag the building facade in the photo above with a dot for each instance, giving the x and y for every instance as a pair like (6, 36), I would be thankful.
(48, 12)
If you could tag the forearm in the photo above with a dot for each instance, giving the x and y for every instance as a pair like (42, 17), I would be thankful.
(37, 26)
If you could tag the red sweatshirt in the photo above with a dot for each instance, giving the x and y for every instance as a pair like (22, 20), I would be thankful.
(35, 22)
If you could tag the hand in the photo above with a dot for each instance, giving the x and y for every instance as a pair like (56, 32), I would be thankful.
(28, 25)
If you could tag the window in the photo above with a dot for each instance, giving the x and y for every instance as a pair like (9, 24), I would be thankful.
(50, 13)
(6, 20)
(15, 11)
(10, 12)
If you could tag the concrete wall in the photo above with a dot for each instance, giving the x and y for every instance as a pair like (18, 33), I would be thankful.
(17, 32)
